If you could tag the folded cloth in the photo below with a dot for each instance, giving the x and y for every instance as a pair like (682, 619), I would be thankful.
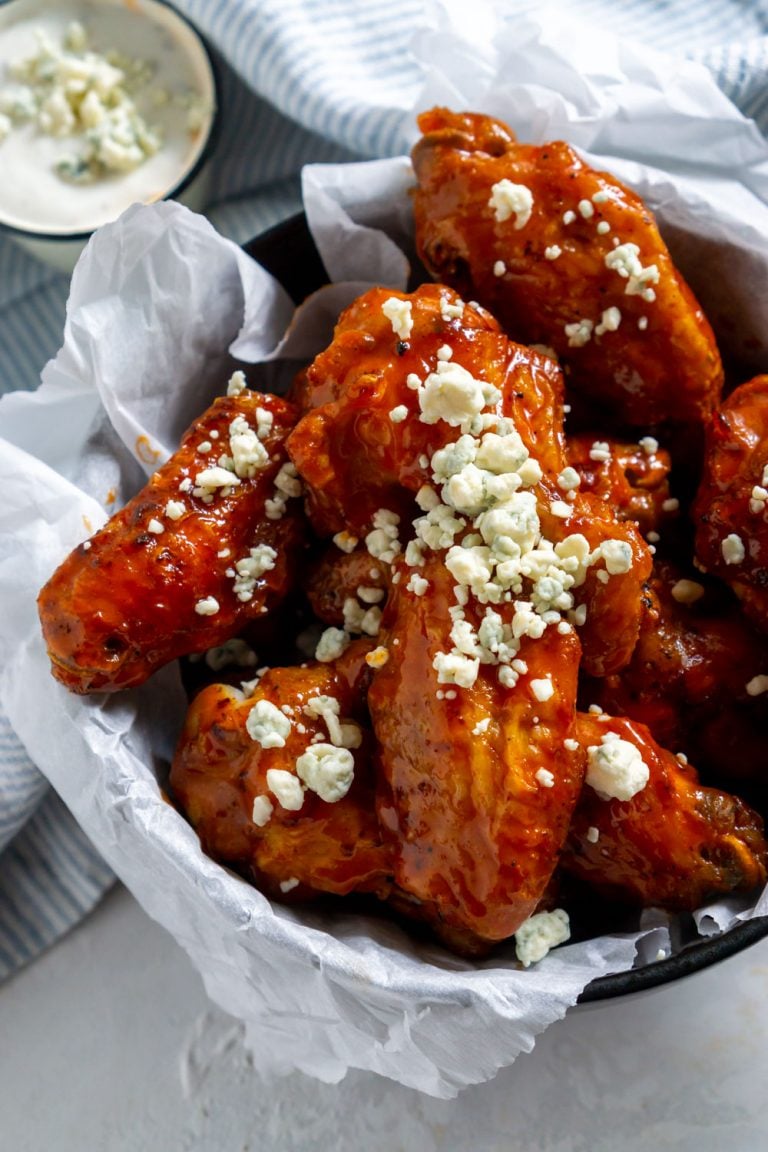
(302, 81)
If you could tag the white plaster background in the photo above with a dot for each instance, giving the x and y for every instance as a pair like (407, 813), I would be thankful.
(109, 1044)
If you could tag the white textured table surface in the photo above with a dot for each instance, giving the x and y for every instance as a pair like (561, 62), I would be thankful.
(109, 1044)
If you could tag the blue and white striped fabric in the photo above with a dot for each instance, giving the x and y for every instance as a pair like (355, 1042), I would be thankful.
(303, 81)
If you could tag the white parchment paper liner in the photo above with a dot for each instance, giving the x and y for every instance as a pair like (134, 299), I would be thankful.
(157, 301)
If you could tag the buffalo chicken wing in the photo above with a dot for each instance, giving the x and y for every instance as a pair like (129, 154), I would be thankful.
(567, 257)
(189, 561)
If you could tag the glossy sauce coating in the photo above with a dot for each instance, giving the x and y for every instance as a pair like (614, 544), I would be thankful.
(125, 602)
(474, 833)
(632, 481)
(661, 363)
(674, 844)
(337, 577)
(688, 676)
(736, 463)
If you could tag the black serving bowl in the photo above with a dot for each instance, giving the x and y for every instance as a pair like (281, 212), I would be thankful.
(288, 251)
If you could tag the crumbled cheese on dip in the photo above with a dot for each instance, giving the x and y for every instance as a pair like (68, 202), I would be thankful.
(68, 90)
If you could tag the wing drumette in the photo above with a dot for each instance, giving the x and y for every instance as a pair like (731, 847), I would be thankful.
(209, 544)
(568, 257)
(279, 782)
(731, 508)
(647, 833)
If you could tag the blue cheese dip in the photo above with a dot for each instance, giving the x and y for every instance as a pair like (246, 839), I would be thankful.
(103, 103)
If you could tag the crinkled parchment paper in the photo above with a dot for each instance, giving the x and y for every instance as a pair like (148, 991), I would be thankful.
(158, 301)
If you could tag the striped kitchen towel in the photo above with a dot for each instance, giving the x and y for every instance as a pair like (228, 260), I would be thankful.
(303, 81)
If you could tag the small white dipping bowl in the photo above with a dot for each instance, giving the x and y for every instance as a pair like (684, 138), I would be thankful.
(53, 218)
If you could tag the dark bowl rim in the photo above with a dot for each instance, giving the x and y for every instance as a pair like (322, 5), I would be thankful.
(212, 139)
(288, 252)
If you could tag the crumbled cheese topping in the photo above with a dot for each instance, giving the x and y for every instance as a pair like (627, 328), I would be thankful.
(286, 788)
(603, 228)
(499, 268)
(579, 333)
(382, 541)
(615, 768)
(482, 726)
(451, 310)
(398, 414)
(236, 384)
(400, 315)
(454, 395)
(586, 209)
(757, 685)
(327, 771)
(208, 606)
(732, 549)
(545, 778)
(248, 453)
(155, 526)
(417, 584)
(569, 216)
(332, 644)
(212, 480)
(609, 321)
(251, 568)
(649, 445)
(758, 499)
(625, 259)
(539, 934)
(175, 509)
(553, 252)
(568, 480)
(508, 199)
(287, 481)
(687, 591)
(593, 834)
(542, 689)
(267, 725)
(327, 709)
(262, 811)
(345, 541)
(600, 451)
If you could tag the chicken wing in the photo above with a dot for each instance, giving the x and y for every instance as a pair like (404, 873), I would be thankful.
(189, 561)
(632, 478)
(568, 257)
(279, 784)
(694, 677)
(731, 507)
(477, 780)
(671, 843)
(377, 392)
(340, 579)
(463, 420)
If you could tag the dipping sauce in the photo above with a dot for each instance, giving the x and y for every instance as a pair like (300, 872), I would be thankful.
(103, 103)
